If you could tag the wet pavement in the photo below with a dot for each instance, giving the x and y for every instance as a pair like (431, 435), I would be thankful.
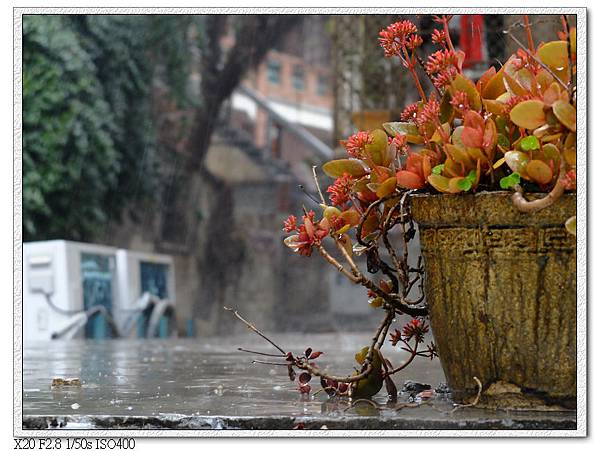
(208, 384)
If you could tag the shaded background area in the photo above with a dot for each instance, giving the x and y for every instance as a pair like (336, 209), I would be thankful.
(189, 135)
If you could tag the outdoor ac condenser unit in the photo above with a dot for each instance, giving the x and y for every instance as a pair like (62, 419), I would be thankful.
(61, 280)
(140, 275)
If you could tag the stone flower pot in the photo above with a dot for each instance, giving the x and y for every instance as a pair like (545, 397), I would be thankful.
(501, 288)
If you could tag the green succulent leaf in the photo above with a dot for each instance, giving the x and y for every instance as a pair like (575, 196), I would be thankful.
(437, 170)
(530, 143)
(472, 176)
(465, 184)
(510, 180)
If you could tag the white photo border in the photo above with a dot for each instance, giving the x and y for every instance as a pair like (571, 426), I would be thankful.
(582, 364)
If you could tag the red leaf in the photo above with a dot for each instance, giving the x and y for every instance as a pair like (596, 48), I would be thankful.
(414, 163)
(410, 180)
(472, 137)
(473, 120)
(304, 388)
(314, 355)
(304, 378)
(291, 373)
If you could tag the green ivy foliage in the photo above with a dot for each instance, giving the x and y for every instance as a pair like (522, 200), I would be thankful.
(88, 141)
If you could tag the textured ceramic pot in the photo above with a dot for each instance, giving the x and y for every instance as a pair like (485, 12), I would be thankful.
(501, 288)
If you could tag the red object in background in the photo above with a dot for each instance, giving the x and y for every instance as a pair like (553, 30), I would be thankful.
(471, 28)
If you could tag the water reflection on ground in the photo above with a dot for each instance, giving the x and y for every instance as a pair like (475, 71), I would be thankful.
(200, 378)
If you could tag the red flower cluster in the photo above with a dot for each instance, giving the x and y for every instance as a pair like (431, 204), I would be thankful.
(310, 233)
(443, 66)
(289, 225)
(410, 112)
(355, 144)
(444, 78)
(440, 61)
(414, 41)
(460, 101)
(429, 114)
(415, 328)
(339, 192)
(439, 37)
(398, 35)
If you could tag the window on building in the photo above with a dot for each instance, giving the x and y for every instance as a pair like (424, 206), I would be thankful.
(274, 72)
(298, 78)
(322, 85)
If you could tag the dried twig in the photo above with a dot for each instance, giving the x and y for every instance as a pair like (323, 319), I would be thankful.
(262, 362)
(260, 353)
(411, 404)
(571, 83)
(475, 401)
(314, 171)
(253, 328)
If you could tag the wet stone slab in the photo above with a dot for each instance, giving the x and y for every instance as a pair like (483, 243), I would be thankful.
(208, 384)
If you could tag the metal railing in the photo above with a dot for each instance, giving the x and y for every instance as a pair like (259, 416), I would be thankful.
(323, 151)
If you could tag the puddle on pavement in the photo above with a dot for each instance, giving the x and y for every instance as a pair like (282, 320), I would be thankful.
(206, 377)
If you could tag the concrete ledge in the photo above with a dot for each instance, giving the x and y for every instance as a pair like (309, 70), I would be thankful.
(516, 421)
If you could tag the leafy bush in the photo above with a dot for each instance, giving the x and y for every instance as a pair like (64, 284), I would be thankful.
(87, 134)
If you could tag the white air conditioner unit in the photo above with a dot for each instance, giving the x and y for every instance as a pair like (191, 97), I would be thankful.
(139, 274)
(61, 279)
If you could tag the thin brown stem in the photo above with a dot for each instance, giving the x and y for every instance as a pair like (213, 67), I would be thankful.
(262, 362)
(383, 334)
(260, 353)
(369, 209)
(314, 171)
(315, 371)
(567, 31)
(404, 365)
(528, 32)
(348, 257)
(447, 33)
(475, 401)
(253, 328)
(332, 261)
(411, 69)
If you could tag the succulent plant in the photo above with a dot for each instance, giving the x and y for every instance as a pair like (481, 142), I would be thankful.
(514, 128)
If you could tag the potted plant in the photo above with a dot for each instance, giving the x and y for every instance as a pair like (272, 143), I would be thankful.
(487, 171)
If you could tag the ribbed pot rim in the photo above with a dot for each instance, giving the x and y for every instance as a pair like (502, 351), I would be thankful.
(490, 208)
